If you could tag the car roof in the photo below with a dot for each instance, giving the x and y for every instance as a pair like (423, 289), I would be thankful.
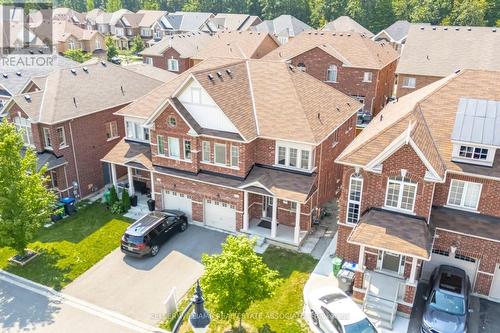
(173, 212)
(339, 304)
(145, 223)
(451, 279)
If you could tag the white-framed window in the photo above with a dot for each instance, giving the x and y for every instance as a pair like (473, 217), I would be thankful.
(111, 130)
(98, 44)
(301, 67)
(145, 133)
(53, 179)
(161, 147)
(71, 44)
(187, 149)
(354, 199)
(61, 136)
(46, 138)
(292, 159)
(23, 125)
(401, 193)
(473, 153)
(464, 194)
(331, 73)
(148, 60)
(367, 77)
(173, 147)
(235, 156)
(409, 82)
(173, 65)
(294, 156)
(136, 131)
(304, 159)
(205, 151)
(146, 32)
(220, 153)
(281, 155)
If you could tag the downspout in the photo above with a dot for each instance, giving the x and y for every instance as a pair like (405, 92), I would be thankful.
(74, 156)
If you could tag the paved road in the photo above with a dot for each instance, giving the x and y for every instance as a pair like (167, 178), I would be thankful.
(28, 307)
(137, 287)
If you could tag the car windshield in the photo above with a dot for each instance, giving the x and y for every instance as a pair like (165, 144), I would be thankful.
(362, 326)
(448, 303)
(134, 239)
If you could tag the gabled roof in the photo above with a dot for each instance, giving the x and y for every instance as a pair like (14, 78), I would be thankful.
(152, 72)
(353, 49)
(68, 95)
(398, 30)
(186, 21)
(92, 15)
(227, 21)
(439, 50)
(62, 30)
(150, 17)
(116, 16)
(261, 98)
(283, 25)
(103, 18)
(186, 44)
(425, 119)
(235, 44)
(131, 20)
(68, 14)
(346, 24)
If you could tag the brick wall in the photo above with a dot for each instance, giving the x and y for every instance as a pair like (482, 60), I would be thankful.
(266, 46)
(170, 53)
(421, 81)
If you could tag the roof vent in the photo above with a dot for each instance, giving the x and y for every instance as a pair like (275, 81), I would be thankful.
(457, 29)
(219, 74)
(74, 101)
(469, 28)
(40, 51)
(321, 33)
(18, 73)
(290, 67)
(309, 33)
(381, 117)
(494, 30)
(103, 63)
(85, 69)
(457, 71)
(210, 77)
(341, 34)
(73, 71)
(228, 71)
(348, 35)
(5, 75)
(338, 109)
(334, 34)
(433, 28)
(31, 52)
(445, 28)
(27, 98)
(422, 28)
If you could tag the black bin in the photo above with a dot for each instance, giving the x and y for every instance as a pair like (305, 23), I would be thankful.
(346, 280)
(69, 205)
(151, 205)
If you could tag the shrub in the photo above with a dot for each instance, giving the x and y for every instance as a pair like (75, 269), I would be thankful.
(125, 201)
(117, 208)
(113, 196)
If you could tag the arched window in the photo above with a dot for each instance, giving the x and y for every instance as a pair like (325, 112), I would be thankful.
(354, 199)
(301, 67)
(401, 192)
(331, 73)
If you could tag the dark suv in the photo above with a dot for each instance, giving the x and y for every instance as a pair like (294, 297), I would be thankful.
(147, 234)
(447, 303)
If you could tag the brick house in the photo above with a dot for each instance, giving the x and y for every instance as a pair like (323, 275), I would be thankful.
(67, 117)
(283, 27)
(233, 151)
(348, 61)
(421, 188)
(433, 52)
(67, 36)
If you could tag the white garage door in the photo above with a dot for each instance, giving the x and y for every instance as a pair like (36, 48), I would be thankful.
(468, 264)
(179, 201)
(220, 215)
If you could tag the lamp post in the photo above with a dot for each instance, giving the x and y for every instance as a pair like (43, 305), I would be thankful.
(199, 318)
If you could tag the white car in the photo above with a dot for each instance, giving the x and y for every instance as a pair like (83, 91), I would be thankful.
(333, 311)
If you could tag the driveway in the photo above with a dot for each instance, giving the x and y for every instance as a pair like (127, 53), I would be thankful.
(137, 287)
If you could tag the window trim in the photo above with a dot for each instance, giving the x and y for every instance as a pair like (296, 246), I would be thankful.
(46, 137)
(299, 149)
(64, 143)
(109, 126)
(173, 68)
(333, 68)
(184, 149)
(205, 144)
(371, 77)
(23, 124)
(462, 199)
(215, 153)
(237, 150)
(404, 85)
(400, 195)
(169, 151)
(160, 144)
(356, 177)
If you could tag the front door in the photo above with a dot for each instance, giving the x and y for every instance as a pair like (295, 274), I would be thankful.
(391, 261)
(267, 211)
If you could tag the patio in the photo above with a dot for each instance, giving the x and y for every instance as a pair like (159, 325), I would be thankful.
(284, 234)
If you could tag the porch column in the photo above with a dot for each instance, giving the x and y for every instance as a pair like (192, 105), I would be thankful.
(131, 190)
(152, 185)
(361, 259)
(413, 271)
(274, 221)
(113, 175)
(296, 233)
(245, 210)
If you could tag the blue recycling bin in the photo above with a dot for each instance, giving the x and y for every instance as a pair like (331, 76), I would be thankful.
(69, 205)
(351, 266)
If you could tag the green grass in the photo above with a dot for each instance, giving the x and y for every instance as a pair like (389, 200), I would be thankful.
(70, 247)
(280, 313)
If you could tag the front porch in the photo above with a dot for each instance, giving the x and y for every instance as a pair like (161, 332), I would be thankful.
(284, 234)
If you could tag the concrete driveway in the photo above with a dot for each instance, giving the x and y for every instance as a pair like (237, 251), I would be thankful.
(137, 287)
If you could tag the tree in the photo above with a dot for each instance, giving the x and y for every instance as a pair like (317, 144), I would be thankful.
(25, 201)
(317, 18)
(192, 6)
(403, 9)
(468, 12)
(77, 55)
(150, 4)
(125, 201)
(236, 278)
(111, 50)
(90, 5)
(113, 5)
(113, 196)
(137, 44)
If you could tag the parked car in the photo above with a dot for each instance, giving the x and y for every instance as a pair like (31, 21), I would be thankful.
(334, 312)
(116, 60)
(447, 302)
(147, 234)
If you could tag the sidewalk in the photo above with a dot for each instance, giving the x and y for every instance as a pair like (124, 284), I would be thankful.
(322, 276)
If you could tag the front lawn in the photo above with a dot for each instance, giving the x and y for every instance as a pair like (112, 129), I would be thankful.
(281, 313)
(70, 247)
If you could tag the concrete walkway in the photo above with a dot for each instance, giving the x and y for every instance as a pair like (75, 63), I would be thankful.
(30, 307)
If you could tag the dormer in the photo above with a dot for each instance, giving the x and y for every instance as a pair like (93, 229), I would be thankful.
(476, 132)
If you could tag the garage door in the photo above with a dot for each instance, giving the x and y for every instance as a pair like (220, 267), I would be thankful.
(468, 264)
(179, 201)
(220, 215)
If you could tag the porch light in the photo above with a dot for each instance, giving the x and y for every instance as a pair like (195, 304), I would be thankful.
(453, 249)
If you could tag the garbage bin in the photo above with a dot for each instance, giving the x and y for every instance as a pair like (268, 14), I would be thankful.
(151, 205)
(106, 196)
(69, 205)
(346, 280)
(337, 265)
(352, 266)
(133, 200)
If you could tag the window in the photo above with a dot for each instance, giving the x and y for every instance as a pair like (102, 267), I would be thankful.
(473, 153)
(46, 138)
(282, 155)
(173, 65)
(401, 193)
(23, 125)
(136, 131)
(464, 194)
(61, 136)
(97, 44)
(205, 151)
(301, 67)
(111, 130)
(148, 60)
(367, 77)
(331, 73)
(172, 121)
(161, 148)
(53, 179)
(187, 149)
(293, 157)
(173, 147)
(409, 82)
(304, 159)
(71, 44)
(220, 153)
(235, 156)
(354, 199)
(130, 129)
(145, 133)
